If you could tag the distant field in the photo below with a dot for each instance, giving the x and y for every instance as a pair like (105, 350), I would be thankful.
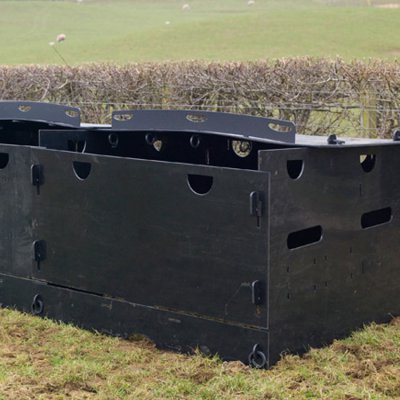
(158, 30)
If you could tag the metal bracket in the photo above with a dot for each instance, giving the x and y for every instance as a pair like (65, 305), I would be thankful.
(257, 358)
(256, 206)
(37, 176)
(37, 305)
(39, 252)
(332, 139)
(257, 292)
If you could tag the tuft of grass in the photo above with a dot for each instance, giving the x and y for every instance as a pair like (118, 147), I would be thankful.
(42, 359)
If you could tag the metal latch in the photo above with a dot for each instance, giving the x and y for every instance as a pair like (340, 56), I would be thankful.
(332, 139)
(257, 293)
(39, 251)
(256, 206)
(396, 135)
(37, 176)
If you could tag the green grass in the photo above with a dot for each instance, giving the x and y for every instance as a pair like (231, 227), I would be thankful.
(135, 30)
(40, 359)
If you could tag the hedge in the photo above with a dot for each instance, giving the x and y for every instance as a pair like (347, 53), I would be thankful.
(320, 95)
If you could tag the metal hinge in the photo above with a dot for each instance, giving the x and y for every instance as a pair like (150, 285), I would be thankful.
(332, 139)
(256, 206)
(257, 293)
(37, 176)
(39, 252)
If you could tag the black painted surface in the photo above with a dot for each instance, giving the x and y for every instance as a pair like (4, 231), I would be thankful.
(169, 330)
(226, 124)
(154, 240)
(39, 112)
(350, 277)
(170, 146)
(199, 238)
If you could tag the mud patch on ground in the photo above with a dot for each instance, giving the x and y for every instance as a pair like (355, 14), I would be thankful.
(387, 5)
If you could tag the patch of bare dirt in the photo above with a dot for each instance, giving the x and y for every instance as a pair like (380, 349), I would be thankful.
(388, 5)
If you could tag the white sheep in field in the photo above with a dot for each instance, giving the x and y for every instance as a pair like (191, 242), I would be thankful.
(186, 7)
(251, 3)
(60, 38)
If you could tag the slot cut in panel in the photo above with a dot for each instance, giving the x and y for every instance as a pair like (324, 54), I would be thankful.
(113, 140)
(4, 158)
(367, 162)
(72, 113)
(305, 237)
(295, 168)
(376, 217)
(196, 118)
(24, 108)
(200, 184)
(123, 117)
(81, 169)
(154, 141)
(281, 128)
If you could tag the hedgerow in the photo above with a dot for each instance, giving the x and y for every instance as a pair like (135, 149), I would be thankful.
(320, 95)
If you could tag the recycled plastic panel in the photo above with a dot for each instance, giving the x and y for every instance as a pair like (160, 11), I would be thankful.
(170, 146)
(323, 290)
(168, 330)
(33, 112)
(226, 124)
(20, 121)
(131, 248)
(136, 230)
(15, 209)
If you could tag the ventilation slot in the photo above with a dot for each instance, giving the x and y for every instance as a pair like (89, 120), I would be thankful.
(304, 237)
(375, 218)
(295, 168)
(72, 113)
(81, 169)
(196, 118)
(277, 127)
(123, 117)
(367, 162)
(3, 160)
(200, 184)
(24, 108)
(113, 139)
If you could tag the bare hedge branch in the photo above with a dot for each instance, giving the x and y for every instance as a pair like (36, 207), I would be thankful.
(321, 96)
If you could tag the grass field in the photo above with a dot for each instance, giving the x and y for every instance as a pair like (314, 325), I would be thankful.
(157, 30)
(40, 359)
